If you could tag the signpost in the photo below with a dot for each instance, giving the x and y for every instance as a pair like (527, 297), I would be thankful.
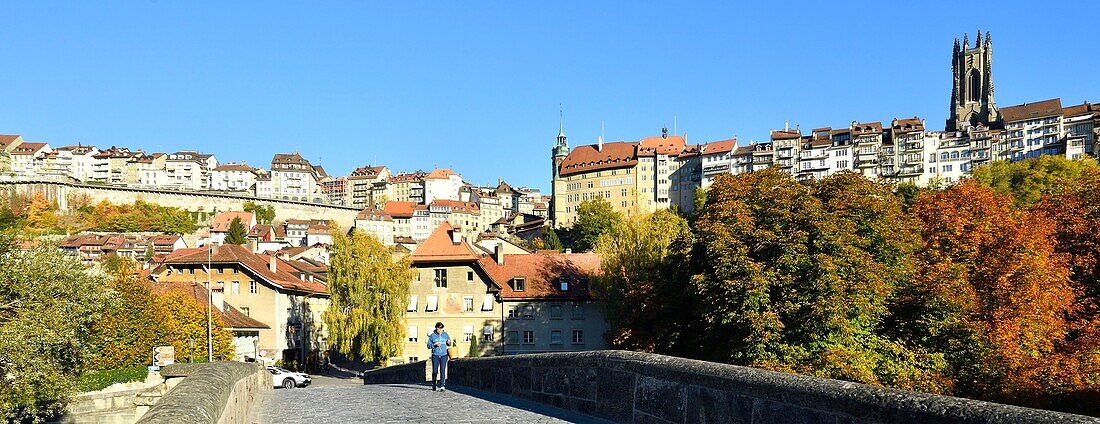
(164, 355)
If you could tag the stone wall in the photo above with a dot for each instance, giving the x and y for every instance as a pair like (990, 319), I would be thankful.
(632, 387)
(411, 373)
(218, 392)
(62, 192)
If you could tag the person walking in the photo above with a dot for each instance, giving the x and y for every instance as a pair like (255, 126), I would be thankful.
(438, 341)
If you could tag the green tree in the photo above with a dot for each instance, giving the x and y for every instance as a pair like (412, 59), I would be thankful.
(369, 290)
(265, 214)
(594, 217)
(550, 239)
(237, 232)
(1028, 180)
(474, 350)
(799, 278)
(48, 306)
(648, 306)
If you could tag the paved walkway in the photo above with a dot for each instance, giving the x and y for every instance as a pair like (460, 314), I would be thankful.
(400, 403)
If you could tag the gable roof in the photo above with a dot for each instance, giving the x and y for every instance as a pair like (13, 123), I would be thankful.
(223, 220)
(618, 154)
(402, 209)
(374, 214)
(284, 276)
(440, 247)
(1034, 110)
(440, 174)
(541, 271)
(720, 146)
(6, 140)
(28, 148)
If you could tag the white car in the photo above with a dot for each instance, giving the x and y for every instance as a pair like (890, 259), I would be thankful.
(288, 379)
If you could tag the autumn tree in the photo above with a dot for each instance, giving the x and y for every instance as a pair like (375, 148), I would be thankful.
(799, 277)
(990, 293)
(184, 321)
(369, 290)
(594, 217)
(130, 329)
(648, 304)
(237, 232)
(48, 306)
(40, 214)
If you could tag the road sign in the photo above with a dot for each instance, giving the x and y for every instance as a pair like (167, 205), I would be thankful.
(164, 355)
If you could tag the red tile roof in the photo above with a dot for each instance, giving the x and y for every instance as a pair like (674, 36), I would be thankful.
(787, 134)
(541, 272)
(284, 277)
(457, 206)
(6, 139)
(440, 174)
(864, 128)
(223, 220)
(402, 209)
(440, 247)
(670, 145)
(366, 171)
(164, 239)
(720, 146)
(28, 148)
(618, 154)
(374, 214)
(1034, 110)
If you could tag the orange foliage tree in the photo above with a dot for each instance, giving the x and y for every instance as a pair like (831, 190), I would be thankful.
(126, 334)
(184, 322)
(990, 293)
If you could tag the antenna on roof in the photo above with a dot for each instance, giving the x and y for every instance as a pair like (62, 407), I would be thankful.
(674, 124)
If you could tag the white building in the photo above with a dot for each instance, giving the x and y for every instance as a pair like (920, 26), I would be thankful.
(441, 184)
(377, 223)
(189, 170)
(233, 177)
(293, 178)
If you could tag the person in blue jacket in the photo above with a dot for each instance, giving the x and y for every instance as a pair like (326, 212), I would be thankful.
(438, 341)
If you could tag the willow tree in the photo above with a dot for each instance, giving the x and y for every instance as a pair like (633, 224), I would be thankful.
(369, 290)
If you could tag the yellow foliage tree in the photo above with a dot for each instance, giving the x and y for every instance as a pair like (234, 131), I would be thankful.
(184, 320)
(40, 214)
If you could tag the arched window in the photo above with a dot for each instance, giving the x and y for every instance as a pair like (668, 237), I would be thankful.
(975, 85)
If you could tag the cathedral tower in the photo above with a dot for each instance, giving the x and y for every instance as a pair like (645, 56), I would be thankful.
(557, 156)
(972, 84)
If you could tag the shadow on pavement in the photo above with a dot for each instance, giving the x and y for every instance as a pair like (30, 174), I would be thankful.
(526, 405)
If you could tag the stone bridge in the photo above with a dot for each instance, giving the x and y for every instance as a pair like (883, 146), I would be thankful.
(196, 201)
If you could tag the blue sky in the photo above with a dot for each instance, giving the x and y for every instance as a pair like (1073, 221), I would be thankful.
(476, 87)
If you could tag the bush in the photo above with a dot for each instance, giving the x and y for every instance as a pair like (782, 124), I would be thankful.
(98, 380)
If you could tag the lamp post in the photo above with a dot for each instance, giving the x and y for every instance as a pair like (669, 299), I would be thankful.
(209, 307)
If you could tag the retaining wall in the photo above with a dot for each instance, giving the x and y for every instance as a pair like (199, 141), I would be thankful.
(411, 373)
(632, 387)
(218, 392)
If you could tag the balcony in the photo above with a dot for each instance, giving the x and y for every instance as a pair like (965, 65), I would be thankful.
(913, 146)
(866, 163)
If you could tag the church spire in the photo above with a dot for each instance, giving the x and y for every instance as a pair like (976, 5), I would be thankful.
(561, 122)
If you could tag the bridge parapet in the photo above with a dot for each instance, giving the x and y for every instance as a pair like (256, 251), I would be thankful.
(632, 387)
(217, 392)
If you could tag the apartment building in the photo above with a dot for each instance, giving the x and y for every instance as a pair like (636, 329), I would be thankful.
(292, 178)
(361, 183)
(233, 177)
(377, 223)
(27, 159)
(410, 220)
(443, 184)
(187, 170)
(403, 187)
(262, 287)
(152, 170)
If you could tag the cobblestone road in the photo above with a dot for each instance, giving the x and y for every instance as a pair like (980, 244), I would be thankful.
(401, 403)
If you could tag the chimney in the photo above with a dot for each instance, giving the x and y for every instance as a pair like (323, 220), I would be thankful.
(568, 250)
(599, 143)
(272, 264)
(456, 236)
(217, 297)
(498, 253)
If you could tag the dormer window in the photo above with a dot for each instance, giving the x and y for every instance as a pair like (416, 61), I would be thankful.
(519, 284)
(563, 283)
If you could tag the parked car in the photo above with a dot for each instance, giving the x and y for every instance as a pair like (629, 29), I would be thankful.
(288, 379)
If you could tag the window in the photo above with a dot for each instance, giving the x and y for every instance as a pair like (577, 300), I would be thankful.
(191, 271)
(528, 312)
(519, 284)
(413, 335)
(487, 303)
(578, 311)
(469, 276)
(578, 337)
(512, 338)
(440, 278)
(487, 333)
(252, 287)
(221, 270)
(236, 287)
(555, 311)
(412, 304)
(528, 337)
(468, 304)
(563, 282)
(245, 311)
(236, 271)
(513, 313)
(413, 359)
(555, 337)
(433, 304)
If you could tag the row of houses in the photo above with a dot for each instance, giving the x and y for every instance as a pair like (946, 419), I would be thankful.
(666, 171)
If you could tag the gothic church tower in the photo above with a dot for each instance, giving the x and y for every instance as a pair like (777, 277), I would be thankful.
(972, 85)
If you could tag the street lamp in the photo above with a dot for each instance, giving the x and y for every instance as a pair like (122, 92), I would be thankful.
(209, 306)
